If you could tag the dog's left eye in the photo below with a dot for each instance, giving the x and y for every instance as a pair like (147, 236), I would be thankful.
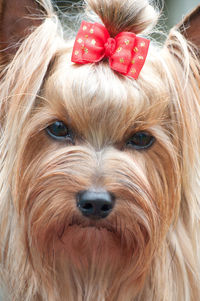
(58, 130)
(141, 140)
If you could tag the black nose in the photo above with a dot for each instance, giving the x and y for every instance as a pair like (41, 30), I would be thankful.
(95, 204)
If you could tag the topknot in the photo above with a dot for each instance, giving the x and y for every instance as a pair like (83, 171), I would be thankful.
(136, 16)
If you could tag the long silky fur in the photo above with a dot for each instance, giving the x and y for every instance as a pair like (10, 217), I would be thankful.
(149, 247)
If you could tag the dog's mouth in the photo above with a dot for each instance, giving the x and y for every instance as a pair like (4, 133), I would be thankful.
(93, 224)
(88, 225)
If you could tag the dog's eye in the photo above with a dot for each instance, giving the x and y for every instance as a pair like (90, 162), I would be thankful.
(141, 140)
(58, 130)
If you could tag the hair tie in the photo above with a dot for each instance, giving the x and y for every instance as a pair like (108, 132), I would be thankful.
(126, 52)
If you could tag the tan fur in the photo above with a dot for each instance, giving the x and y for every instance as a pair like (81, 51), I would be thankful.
(148, 248)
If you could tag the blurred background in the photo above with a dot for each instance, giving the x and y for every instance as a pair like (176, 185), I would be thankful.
(174, 10)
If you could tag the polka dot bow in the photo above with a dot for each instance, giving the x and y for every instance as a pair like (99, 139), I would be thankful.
(126, 52)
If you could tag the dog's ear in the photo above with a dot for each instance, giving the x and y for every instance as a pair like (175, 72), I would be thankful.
(190, 27)
(17, 18)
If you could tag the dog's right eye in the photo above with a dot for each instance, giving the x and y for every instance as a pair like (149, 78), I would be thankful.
(58, 130)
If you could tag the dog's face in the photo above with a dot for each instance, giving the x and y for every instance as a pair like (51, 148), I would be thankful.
(98, 170)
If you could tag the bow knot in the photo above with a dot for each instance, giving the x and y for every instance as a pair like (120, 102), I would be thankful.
(126, 52)
(110, 47)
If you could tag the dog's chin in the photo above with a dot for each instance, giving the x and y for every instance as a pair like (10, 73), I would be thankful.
(102, 247)
(85, 237)
(90, 243)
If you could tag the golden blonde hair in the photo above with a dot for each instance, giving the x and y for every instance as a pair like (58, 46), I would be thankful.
(159, 188)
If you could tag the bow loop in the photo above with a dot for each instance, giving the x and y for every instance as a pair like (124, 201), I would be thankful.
(89, 43)
(121, 59)
(126, 52)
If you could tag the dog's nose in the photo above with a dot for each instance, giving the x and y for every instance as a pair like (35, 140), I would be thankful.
(95, 204)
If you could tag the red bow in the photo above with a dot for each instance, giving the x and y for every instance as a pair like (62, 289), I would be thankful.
(126, 52)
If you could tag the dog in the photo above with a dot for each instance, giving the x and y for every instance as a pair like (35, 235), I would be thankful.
(100, 155)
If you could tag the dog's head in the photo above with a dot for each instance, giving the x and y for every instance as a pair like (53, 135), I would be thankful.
(96, 167)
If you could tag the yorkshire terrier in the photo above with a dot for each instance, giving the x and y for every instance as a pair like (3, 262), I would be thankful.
(100, 155)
